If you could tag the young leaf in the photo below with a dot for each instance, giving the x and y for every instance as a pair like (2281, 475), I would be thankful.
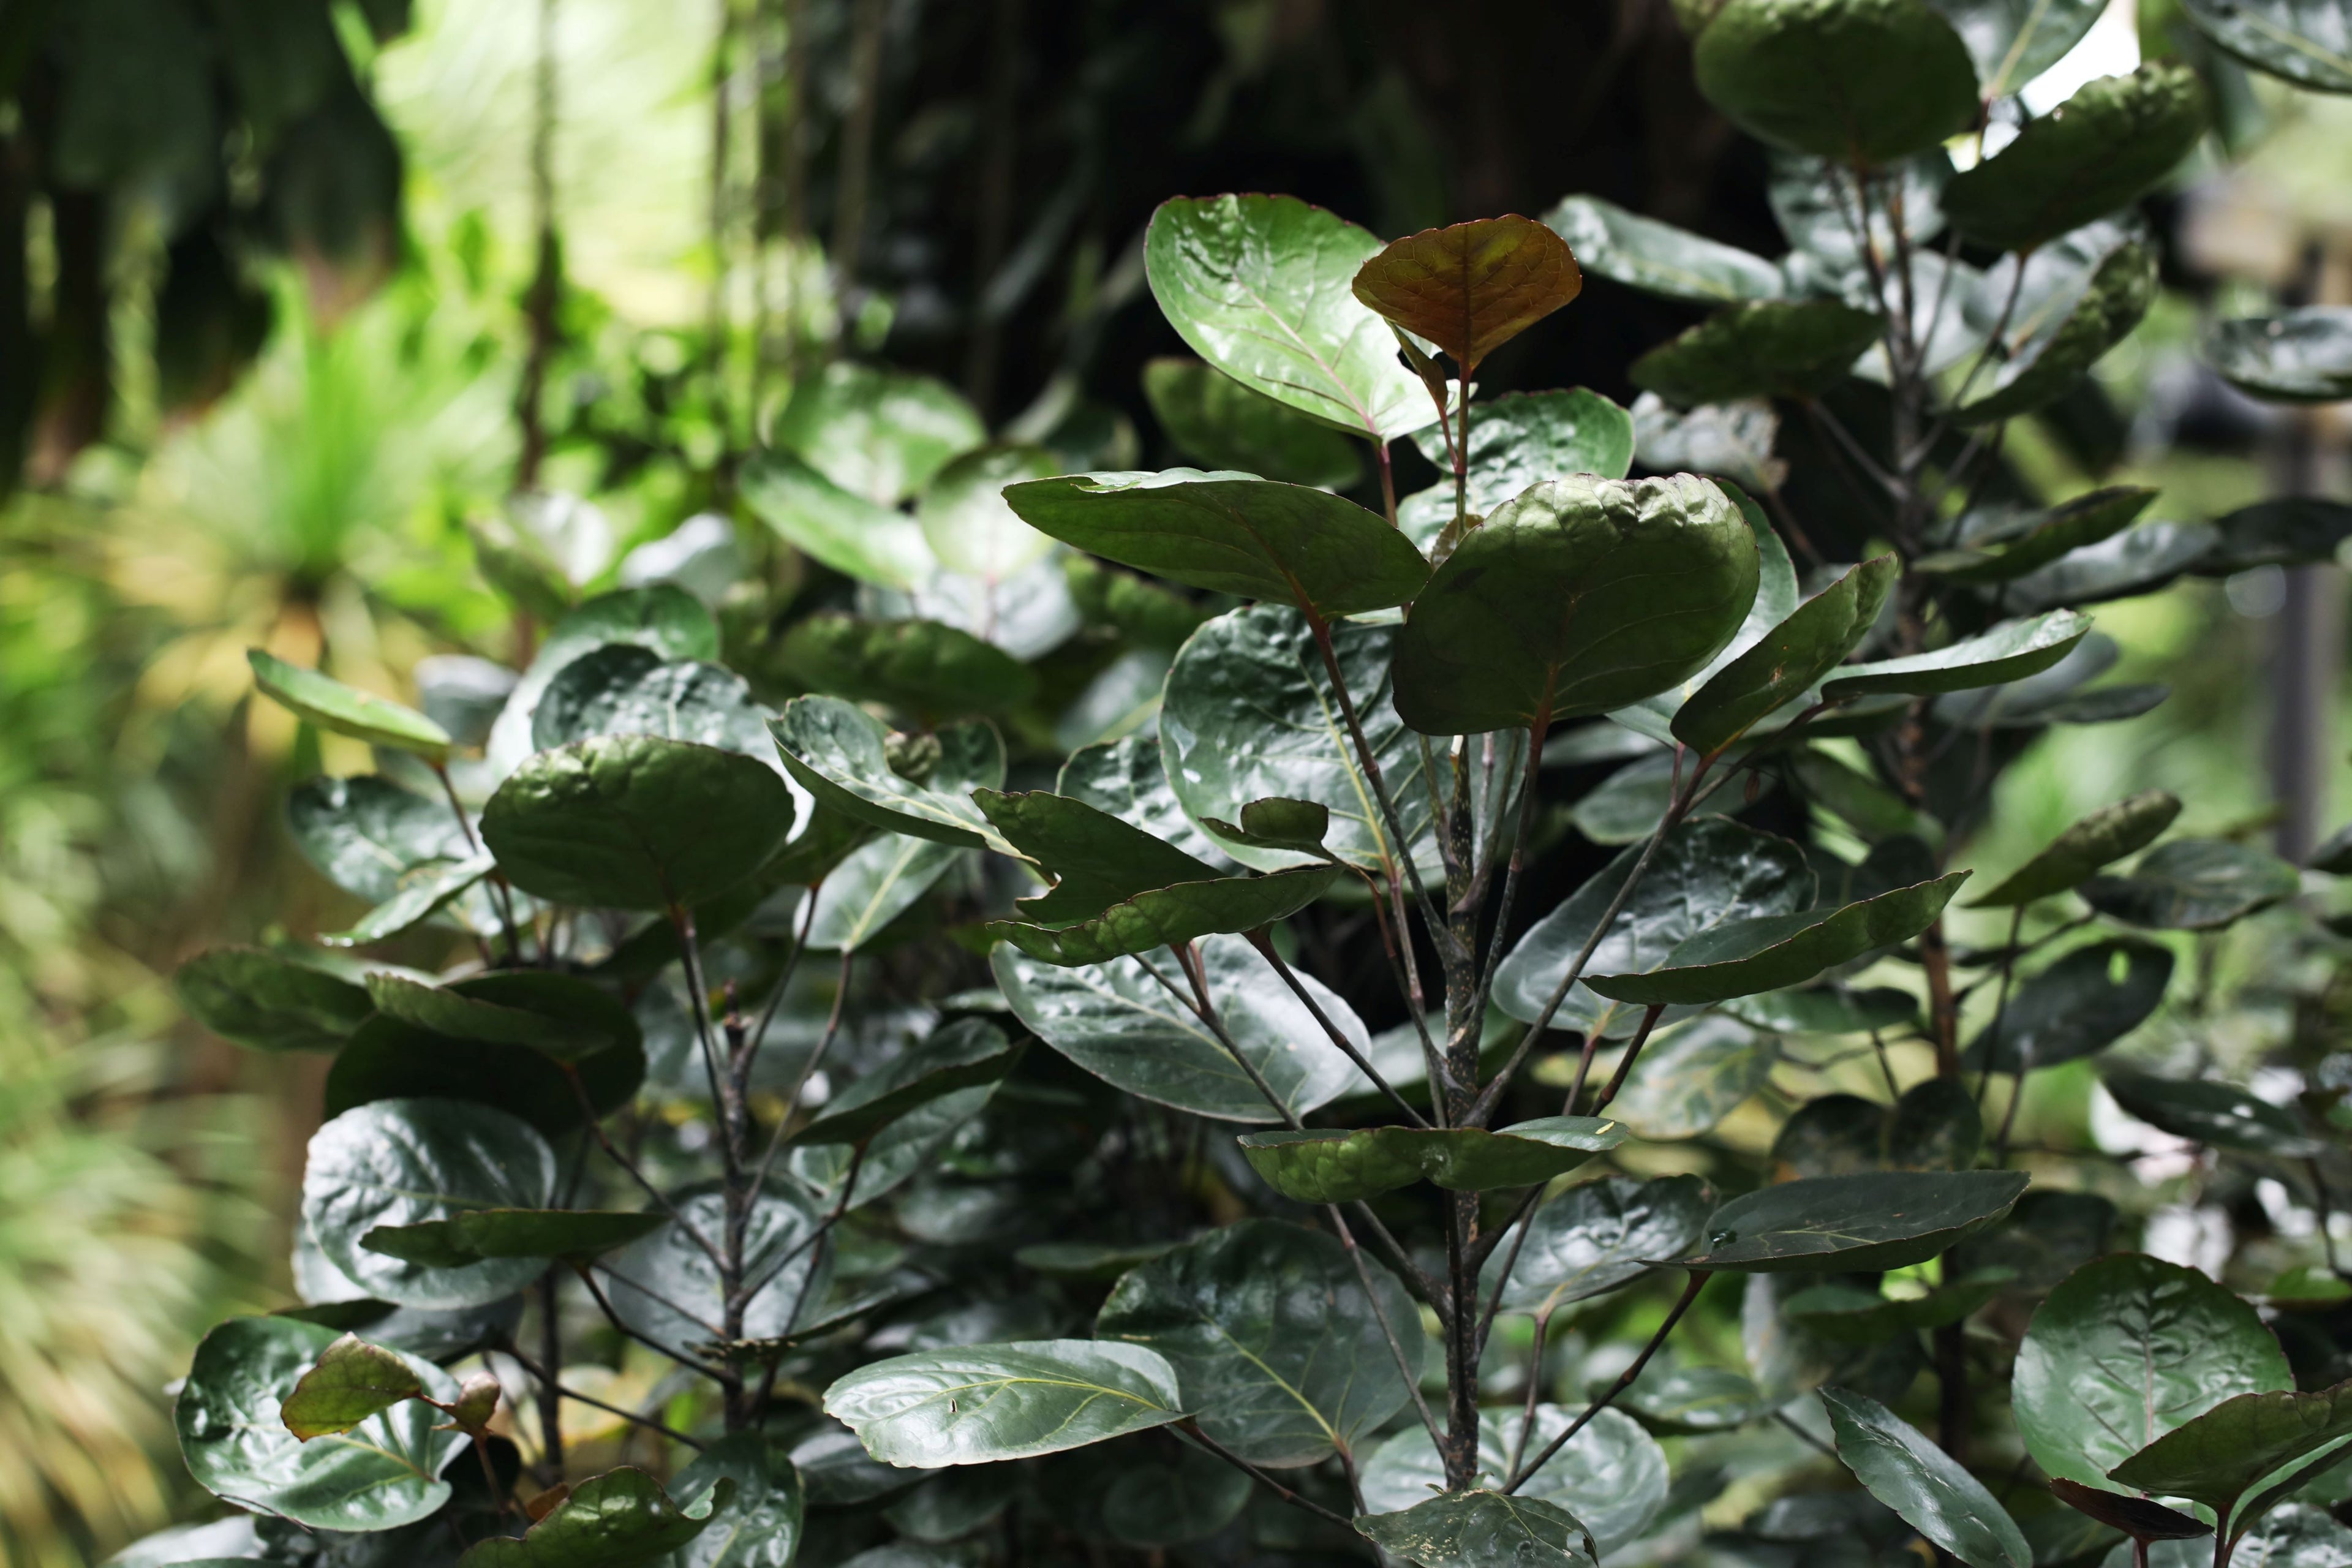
(1782, 348)
(981, 1404)
(965, 1054)
(2213, 1113)
(2297, 356)
(330, 705)
(841, 754)
(2076, 1007)
(1221, 424)
(1903, 80)
(2193, 884)
(1271, 1336)
(351, 1381)
(1932, 1492)
(2107, 834)
(1582, 596)
(2310, 45)
(1612, 1474)
(622, 1518)
(1601, 1236)
(1320, 1166)
(1789, 658)
(268, 1000)
(2101, 150)
(1659, 258)
(1855, 1223)
(1472, 287)
(855, 536)
(1468, 1530)
(1258, 285)
(2215, 1459)
(921, 667)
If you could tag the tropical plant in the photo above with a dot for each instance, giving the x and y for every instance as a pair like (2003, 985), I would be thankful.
(945, 1246)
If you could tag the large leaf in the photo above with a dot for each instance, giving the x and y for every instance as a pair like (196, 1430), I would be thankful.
(855, 536)
(842, 755)
(407, 1162)
(2081, 294)
(1785, 663)
(2297, 356)
(322, 700)
(880, 434)
(922, 666)
(2109, 834)
(269, 1001)
(877, 882)
(1472, 287)
(1707, 873)
(1582, 596)
(2193, 884)
(2076, 1007)
(382, 1474)
(1217, 421)
(1613, 1473)
(1337, 1166)
(2014, 41)
(1784, 348)
(2214, 1113)
(1601, 1236)
(1231, 533)
(1260, 288)
(1932, 1492)
(636, 822)
(668, 620)
(1272, 1339)
(1659, 258)
(2308, 42)
(1862, 80)
(2216, 1457)
(2101, 150)
(622, 1518)
(1470, 1529)
(760, 1526)
(1172, 916)
(2010, 651)
(1769, 953)
(667, 1288)
(1857, 1224)
(1116, 1022)
(979, 1404)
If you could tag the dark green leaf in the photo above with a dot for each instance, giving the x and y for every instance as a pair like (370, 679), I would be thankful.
(1470, 288)
(2101, 150)
(1693, 1078)
(390, 1059)
(622, 1518)
(1338, 1167)
(668, 620)
(2135, 1516)
(473, 1235)
(268, 1000)
(1903, 76)
(841, 754)
(965, 1054)
(1601, 1236)
(1582, 596)
(855, 536)
(1789, 660)
(406, 1162)
(2076, 1007)
(1469, 1529)
(986, 1402)
(2010, 651)
(2213, 1113)
(2081, 294)
(1272, 1339)
(1885, 1219)
(2193, 884)
(1769, 953)
(2107, 834)
(1095, 859)
(2014, 41)
(1660, 259)
(1780, 348)
(2287, 531)
(1613, 1473)
(921, 666)
(2216, 1457)
(968, 526)
(1216, 420)
(351, 1380)
(330, 705)
(876, 884)
(382, 1475)
(1259, 286)
(760, 1526)
(880, 434)
(2308, 42)
(1932, 1492)
(2125, 1350)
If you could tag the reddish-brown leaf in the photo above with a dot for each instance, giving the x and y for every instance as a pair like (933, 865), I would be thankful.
(1474, 287)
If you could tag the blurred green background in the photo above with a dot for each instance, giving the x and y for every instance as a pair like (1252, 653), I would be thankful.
(291, 291)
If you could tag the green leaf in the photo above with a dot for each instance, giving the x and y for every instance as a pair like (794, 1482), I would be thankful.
(636, 822)
(979, 1404)
(1231, 533)
(558, 1015)
(622, 1518)
(624, 689)
(471, 1236)
(341, 709)
(2076, 1007)
(1114, 1021)
(1705, 874)
(2010, 543)
(855, 536)
(880, 434)
(1904, 81)
(1659, 258)
(922, 666)
(1272, 1338)
(1932, 1492)
(1693, 1078)
(876, 884)
(1582, 596)
(2308, 42)
(965, 1054)
(2107, 834)
(1787, 660)
(964, 518)
(667, 1288)
(2216, 1457)
(381, 1476)
(1468, 1530)
(1769, 953)
(388, 1058)
(1174, 916)
(1601, 1236)
(2081, 294)
(1783, 348)
(668, 620)
(1217, 421)
(2010, 651)
(2193, 884)
(2286, 530)
(404, 1161)
(2297, 356)
(1470, 288)
(2213, 1113)
(841, 754)
(2101, 150)
(1335, 1166)
(1095, 859)
(2014, 41)
(1517, 440)
(351, 1380)
(760, 1525)
(1613, 1473)
(269, 1001)
(1259, 286)
(1854, 1224)
(2125, 1350)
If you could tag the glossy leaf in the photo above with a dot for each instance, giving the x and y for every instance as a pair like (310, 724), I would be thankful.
(2297, 356)
(1659, 258)
(472, 1234)
(2308, 42)
(351, 1380)
(1904, 79)
(382, 1475)
(1760, 349)
(2081, 294)
(268, 1000)
(2010, 651)
(873, 886)
(1601, 1236)
(964, 1055)
(1612, 1474)
(1260, 288)
(2107, 834)
(1272, 1339)
(982, 1404)
(2101, 150)
(2193, 884)
(2215, 1459)
(2125, 1350)
(1172, 916)
(1769, 953)
(1932, 1492)
(760, 1525)
(622, 1518)
(920, 665)
(1472, 287)
(1468, 1530)
(1220, 423)
(2215, 1113)
(2014, 41)
(1884, 1219)
(880, 434)
(1337, 1166)
(322, 700)
(1787, 660)
(1534, 618)
(856, 537)
(842, 755)
(1693, 1078)
(667, 1288)
(2075, 1007)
